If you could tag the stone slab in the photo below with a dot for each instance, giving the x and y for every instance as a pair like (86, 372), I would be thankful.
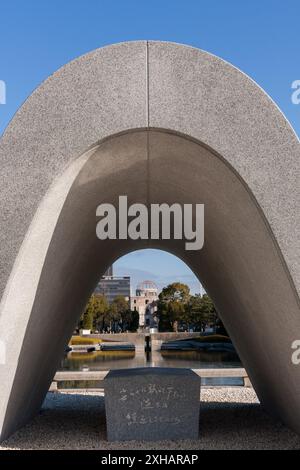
(152, 404)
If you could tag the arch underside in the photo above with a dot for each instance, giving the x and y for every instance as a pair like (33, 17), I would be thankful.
(240, 265)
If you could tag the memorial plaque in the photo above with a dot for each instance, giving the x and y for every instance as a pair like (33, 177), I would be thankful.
(152, 404)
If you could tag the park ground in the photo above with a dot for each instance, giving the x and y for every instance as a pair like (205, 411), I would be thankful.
(230, 418)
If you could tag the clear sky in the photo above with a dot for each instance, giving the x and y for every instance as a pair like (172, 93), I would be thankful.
(261, 37)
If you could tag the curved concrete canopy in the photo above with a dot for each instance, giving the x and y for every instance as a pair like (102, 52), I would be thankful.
(159, 122)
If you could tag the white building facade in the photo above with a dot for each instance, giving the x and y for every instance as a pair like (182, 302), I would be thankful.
(145, 303)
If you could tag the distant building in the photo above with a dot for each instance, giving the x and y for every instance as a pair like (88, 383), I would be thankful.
(112, 286)
(109, 271)
(145, 303)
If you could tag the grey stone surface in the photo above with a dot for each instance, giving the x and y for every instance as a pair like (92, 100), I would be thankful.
(204, 97)
(151, 404)
(95, 96)
(88, 135)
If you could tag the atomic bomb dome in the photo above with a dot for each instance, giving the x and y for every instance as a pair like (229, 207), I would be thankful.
(147, 289)
(144, 301)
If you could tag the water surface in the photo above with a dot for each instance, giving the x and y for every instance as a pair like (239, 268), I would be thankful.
(107, 360)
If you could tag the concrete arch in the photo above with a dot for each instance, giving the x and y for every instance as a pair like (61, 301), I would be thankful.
(159, 122)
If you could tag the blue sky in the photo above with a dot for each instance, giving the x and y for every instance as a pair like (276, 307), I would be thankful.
(158, 266)
(260, 37)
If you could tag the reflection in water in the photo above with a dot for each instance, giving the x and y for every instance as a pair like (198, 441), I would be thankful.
(104, 360)
(97, 360)
(203, 358)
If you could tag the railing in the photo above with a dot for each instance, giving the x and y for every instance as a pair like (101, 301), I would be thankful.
(99, 376)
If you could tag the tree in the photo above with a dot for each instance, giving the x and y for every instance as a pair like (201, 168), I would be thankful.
(200, 311)
(121, 314)
(112, 316)
(171, 307)
(93, 315)
(175, 292)
(209, 310)
(120, 307)
(87, 319)
(121, 304)
(101, 307)
(100, 315)
(134, 320)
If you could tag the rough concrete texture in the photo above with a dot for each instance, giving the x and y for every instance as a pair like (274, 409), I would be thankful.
(86, 136)
(202, 96)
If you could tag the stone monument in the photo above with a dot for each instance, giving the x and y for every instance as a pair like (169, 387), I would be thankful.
(152, 404)
(160, 123)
